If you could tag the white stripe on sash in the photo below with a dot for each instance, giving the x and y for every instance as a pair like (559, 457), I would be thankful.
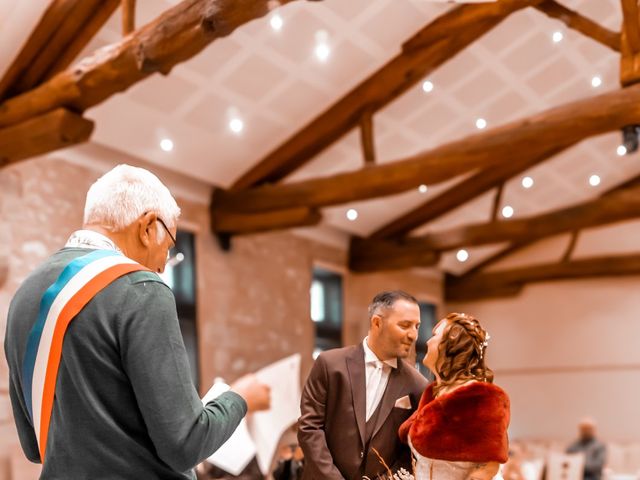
(78, 281)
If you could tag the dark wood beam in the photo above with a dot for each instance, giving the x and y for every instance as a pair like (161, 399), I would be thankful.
(51, 131)
(631, 24)
(44, 63)
(240, 223)
(497, 200)
(571, 246)
(461, 193)
(510, 282)
(82, 37)
(427, 50)
(47, 26)
(367, 139)
(4, 269)
(517, 246)
(531, 137)
(630, 43)
(493, 259)
(175, 36)
(128, 16)
(615, 207)
(371, 255)
(581, 24)
(618, 206)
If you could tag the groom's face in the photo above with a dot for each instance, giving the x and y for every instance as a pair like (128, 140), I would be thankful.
(399, 329)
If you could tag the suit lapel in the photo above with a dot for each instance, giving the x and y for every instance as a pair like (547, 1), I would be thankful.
(355, 366)
(395, 385)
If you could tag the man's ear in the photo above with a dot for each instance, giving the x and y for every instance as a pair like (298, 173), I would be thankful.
(146, 230)
(376, 321)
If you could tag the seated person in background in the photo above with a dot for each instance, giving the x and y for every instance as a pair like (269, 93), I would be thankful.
(512, 470)
(290, 463)
(208, 471)
(594, 450)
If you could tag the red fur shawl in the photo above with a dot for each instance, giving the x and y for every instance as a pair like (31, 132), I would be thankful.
(466, 425)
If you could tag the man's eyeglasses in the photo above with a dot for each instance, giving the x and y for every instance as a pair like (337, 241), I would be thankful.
(173, 239)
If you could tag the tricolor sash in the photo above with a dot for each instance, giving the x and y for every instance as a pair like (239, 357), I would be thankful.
(78, 283)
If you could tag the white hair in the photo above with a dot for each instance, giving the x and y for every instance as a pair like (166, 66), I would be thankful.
(125, 193)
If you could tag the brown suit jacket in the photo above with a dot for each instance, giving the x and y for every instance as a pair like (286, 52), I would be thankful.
(331, 429)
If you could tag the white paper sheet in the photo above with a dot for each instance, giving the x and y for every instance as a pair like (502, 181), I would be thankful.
(236, 453)
(259, 435)
(267, 427)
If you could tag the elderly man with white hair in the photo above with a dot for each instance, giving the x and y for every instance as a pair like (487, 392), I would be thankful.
(99, 378)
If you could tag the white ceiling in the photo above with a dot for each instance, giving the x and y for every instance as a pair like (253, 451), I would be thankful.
(273, 82)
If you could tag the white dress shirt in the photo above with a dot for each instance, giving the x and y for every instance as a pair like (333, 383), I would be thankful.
(377, 376)
(90, 239)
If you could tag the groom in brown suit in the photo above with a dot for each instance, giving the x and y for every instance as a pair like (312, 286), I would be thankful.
(356, 397)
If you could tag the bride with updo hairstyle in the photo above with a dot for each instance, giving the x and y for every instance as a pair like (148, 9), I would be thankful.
(459, 431)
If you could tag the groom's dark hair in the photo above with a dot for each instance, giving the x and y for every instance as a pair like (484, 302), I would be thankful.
(383, 301)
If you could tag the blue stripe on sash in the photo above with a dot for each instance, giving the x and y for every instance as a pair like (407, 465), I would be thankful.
(33, 342)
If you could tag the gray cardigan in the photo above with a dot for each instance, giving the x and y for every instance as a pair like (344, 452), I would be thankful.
(125, 404)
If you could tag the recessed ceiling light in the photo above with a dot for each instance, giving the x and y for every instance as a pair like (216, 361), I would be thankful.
(352, 214)
(427, 86)
(322, 52)
(527, 182)
(596, 82)
(423, 188)
(594, 180)
(276, 22)
(322, 49)
(557, 37)
(481, 123)
(507, 211)
(462, 255)
(621, 150)
(236, 125)
(166, 144)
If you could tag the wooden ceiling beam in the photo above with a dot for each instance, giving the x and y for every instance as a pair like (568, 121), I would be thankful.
(173, 37)
(367, 139)
(4, 269)
(497, 201)
(510, 282)
(531, 138)
(623, 204)
(630, 43)
(631, 24)
(581, 24)
(51, 131)
(377, 255)
(45, 63)
(47, 26)
(240, 223)
(461, 193)
(517, 246)
(436, 43)
(82, 37)
(128, 16)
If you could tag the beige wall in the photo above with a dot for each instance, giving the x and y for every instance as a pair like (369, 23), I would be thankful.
(565, 350)
(252, 302)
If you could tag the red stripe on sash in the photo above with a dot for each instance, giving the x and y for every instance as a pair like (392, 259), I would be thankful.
(68, 313)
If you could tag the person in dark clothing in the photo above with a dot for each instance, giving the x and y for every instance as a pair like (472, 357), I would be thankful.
(290, 464)
(595, 452)
(118, 400)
